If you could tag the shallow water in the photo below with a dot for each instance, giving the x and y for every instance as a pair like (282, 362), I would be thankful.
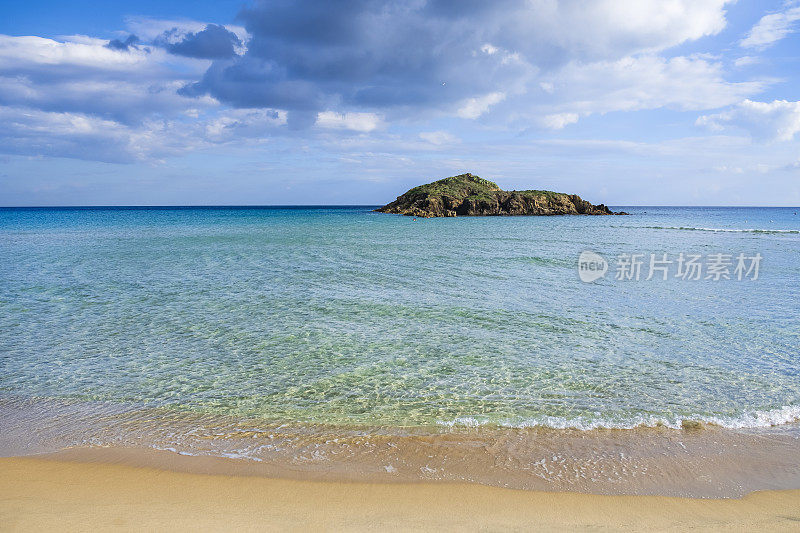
(344, 318)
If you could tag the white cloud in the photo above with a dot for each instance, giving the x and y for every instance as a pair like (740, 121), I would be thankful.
(506, 57)
(16, 52)
(236, 123)
(772, 28)
(549, 62)
(121, 100)
(778, 120)
(87, 58)
(77, 135)
(472, 108)
(615, 28)
(745, 61)
(637, 83)
(547, 87)
(438, 138)
(558, 121)
(361, 122)
(82, 75)
(83, 136)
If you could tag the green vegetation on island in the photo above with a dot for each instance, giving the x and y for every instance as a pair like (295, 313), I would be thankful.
(470, 195)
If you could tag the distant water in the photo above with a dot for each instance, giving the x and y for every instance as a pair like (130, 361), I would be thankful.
(343, 317)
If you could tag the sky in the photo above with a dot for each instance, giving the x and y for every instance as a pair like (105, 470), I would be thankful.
(624, 102)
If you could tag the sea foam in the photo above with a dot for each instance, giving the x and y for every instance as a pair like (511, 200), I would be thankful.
(756, 419)
(725, 230)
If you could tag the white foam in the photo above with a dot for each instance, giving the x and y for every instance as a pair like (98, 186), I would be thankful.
(754, 419)
(726, 230)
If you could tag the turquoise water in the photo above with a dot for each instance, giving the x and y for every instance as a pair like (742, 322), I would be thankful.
(344, 317)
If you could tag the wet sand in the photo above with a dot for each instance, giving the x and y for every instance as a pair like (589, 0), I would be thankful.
(700, 461)
(93, 490)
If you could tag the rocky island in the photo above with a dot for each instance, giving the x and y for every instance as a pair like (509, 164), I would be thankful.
(470, 195)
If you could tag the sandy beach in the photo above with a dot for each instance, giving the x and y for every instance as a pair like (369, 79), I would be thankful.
(383, 265)
(38, 494)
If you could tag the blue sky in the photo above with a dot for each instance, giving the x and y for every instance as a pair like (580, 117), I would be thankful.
(625, 102)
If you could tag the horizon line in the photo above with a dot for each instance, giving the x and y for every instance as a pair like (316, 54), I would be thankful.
(295, 206)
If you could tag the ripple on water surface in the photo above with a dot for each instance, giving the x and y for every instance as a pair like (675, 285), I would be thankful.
(345, 318)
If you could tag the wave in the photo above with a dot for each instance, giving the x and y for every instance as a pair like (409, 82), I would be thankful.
(546, 261)
(725, 230)
(754, 419)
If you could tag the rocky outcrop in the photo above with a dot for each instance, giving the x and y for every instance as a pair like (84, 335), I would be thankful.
(470, 195)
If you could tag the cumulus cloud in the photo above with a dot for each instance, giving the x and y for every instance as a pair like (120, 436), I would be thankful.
(151, 29)
(86, 76)
(558, 121)
(83, 136)
(37, 54)
(213, 42)
(78, 97)
(772, 28)
(116, 44)
(778, 120)
(546, 31)
(305, 56)
(123, 101)
(76, 135)
(637, 83)
(361, 67)
(475, 107)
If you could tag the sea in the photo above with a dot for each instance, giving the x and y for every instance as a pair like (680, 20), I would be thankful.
(655, 352)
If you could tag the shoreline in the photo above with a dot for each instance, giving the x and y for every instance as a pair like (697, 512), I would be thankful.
(701, 461)
(94, 490)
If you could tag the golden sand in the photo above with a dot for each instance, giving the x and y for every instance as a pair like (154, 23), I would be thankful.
(65, 495)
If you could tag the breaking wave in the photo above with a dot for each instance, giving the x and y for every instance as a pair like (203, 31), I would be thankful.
(755, 419)
(726, 230)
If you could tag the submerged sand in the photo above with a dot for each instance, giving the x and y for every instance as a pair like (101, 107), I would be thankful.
(61, 494)
(703, 461)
